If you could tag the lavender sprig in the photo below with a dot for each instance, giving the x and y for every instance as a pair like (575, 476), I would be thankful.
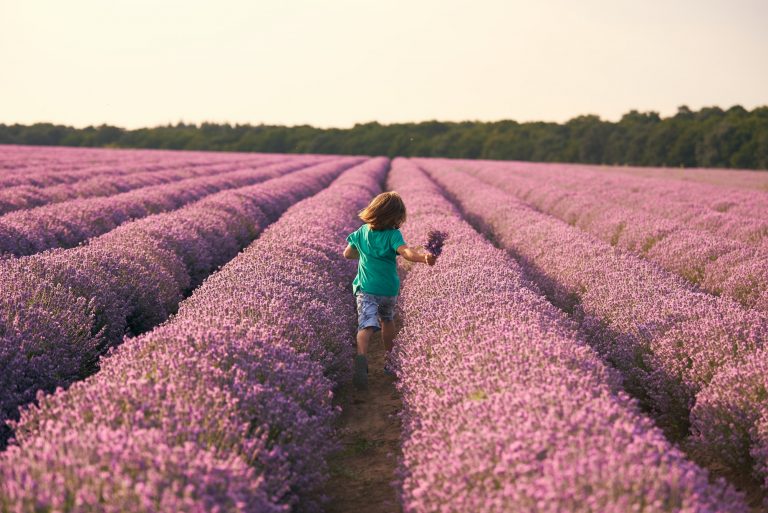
(435, 241)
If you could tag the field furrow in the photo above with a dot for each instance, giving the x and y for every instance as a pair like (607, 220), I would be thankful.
(227, 407)
(60, 310)
(505, 407)
(667, 339)
(65, 225)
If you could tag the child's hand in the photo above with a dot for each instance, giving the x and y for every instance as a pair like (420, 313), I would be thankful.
(417, 257)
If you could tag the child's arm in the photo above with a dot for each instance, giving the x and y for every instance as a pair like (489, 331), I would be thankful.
(413, 256)
(351, 252)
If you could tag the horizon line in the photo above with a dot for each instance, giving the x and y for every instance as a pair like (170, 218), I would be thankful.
(385, 123)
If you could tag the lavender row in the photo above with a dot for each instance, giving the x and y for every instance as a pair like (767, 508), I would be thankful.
(65, 225)
(689, 199)
(717, 264)
(667, 339)
(61, 309)
(741, 178)
(40, 168)
(15, 157)
(221, 409)
(281, 290)
(20, 158)
(736, 214)
(23, 197)
(504, 407)
(730, 418)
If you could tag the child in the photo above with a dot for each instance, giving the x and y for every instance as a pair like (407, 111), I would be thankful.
(376, 285)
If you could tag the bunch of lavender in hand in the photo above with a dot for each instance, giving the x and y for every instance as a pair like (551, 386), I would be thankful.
(435, 241)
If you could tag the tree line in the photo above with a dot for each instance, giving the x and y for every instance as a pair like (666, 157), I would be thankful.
(710, 137)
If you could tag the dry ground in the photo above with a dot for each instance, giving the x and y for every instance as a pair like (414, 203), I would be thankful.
(363, 471)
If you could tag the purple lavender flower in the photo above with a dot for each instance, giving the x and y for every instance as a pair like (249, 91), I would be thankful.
(682, 227)
(668, 338)
(60, 310)
(435, 241)
(69, 223)
(505, 408)
(228, 405)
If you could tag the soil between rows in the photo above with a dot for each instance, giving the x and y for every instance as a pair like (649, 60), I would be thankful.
(363, 470)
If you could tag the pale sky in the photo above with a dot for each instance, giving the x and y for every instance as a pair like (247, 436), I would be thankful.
(135, 63)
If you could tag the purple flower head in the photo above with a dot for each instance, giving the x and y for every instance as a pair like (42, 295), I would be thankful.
(435, 241)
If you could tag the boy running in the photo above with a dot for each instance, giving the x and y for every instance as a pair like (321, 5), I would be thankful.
(376, 286)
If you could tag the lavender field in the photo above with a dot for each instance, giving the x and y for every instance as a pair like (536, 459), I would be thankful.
(176, 328)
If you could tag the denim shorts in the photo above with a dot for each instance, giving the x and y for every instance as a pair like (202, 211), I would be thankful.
(370, 308)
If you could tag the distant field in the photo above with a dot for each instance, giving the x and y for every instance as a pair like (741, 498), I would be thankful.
(745, 179)
(174, 325)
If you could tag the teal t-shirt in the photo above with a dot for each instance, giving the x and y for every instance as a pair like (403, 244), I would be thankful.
(376, 270)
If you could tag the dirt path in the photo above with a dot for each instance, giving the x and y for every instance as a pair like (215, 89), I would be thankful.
(363, 471)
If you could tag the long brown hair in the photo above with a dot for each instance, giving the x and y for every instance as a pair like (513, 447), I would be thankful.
(385, 212)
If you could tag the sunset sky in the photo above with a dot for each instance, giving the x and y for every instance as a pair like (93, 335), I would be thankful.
(137, 63)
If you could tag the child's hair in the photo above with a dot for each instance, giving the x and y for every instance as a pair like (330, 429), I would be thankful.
(385, 212)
